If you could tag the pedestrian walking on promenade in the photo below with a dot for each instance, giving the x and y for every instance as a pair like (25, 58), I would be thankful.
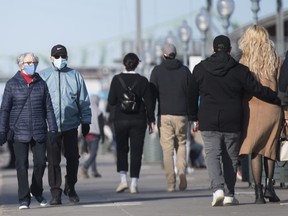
(220, 81)
(92, 140)
(130, 128)
(283, 87)
(25, 111)
(170, 82)
(72, 107)
(262, 121)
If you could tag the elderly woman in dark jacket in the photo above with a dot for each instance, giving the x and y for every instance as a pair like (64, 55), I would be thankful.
(26, 109)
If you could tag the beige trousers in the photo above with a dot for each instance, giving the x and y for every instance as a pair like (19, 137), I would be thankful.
(173, 135)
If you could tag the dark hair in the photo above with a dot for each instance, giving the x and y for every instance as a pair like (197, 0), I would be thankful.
(222, 48)
(131, 61)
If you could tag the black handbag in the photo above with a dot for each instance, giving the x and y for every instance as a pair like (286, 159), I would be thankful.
(10, 133)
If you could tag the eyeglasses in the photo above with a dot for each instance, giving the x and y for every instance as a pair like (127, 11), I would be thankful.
(58, 56)
(30, 63)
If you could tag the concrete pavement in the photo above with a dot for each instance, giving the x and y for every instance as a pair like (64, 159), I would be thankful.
(98, 197)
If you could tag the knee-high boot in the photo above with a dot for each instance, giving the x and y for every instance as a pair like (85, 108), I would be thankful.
(259, 197)
(269, 191)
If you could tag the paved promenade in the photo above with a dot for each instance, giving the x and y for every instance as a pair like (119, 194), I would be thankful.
(97, 196)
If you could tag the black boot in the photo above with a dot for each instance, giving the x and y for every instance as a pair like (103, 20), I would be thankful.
(270, 192)
(259, 197)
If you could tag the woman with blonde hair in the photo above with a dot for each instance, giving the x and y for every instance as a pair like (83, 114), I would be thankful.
(262, 121)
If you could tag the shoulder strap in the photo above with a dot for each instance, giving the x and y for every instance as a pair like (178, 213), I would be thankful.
(30, 90)
(134, 84)
(124, 85)
(122, 82)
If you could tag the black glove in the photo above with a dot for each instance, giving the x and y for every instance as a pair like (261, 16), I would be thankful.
(85, 129)
(52, 136)
(3, 138)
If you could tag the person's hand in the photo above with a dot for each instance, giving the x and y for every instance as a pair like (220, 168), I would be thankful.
(85, 129)
(3, 138)
(52, 136)
(151, 127)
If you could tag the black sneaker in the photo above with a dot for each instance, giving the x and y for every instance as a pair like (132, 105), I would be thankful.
(55, 201)
(24, 205)
(73, 197)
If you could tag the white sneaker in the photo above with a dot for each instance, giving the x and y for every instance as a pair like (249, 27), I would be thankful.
(134, 189)
(122, 187)
(230, 201)
(218, 197)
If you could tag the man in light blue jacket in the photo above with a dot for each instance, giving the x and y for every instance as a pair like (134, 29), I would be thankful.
(72, 107)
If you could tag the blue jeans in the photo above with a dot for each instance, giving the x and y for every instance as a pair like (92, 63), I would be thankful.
(22, 164)
(222, 149)
(93, 144)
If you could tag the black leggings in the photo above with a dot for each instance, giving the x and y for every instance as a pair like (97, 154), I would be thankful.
(130, 132)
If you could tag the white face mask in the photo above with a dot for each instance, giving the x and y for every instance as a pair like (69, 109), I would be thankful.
(60, 63)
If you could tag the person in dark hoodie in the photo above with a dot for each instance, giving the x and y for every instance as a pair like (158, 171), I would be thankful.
(221, 81)
(283, 86)
(169, 82)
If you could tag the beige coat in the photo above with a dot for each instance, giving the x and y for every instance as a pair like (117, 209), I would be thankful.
(262, 125)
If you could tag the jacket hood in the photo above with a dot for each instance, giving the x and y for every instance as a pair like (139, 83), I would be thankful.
(171, 64)
(219, 63)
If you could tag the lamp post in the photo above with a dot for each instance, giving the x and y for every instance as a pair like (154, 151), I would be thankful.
(255, 9)
(185, 34)
(280, 29)
(170, 38)
(158, 50)
(203, 23)
(225, 9)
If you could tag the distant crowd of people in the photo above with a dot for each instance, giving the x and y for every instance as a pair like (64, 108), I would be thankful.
(239, 107)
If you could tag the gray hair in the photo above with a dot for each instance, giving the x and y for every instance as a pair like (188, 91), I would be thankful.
(20, 58)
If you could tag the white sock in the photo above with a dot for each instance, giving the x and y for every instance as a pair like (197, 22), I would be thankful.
(134, 182)
(123, 176)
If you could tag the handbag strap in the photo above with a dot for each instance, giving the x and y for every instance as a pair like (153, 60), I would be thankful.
(30, 90)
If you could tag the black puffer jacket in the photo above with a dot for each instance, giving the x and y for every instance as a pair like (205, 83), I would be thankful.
(37, 109)
(220, 82)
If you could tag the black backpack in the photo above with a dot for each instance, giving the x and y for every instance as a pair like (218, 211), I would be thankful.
(129, 100)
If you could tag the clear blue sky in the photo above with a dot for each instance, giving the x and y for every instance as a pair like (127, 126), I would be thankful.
(92, 30)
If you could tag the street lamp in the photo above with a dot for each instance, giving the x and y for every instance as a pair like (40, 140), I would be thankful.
(158, 50)
(170, 38)
(203, 23)
(255, 9)
(185, 34)
(280, 29)
(225, 9)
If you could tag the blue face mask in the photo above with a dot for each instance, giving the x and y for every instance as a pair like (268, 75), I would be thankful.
(60, 63)
(30, 69)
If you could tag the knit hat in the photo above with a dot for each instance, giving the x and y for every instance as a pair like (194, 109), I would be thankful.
(169, 50)
(59, 50)
(221, 42)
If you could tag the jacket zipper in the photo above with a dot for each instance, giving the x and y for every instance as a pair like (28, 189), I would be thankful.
(60, 110)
